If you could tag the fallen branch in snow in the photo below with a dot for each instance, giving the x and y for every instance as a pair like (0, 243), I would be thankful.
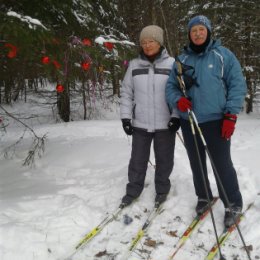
(37, 146)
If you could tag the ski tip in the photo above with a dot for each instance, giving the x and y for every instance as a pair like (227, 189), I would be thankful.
(157, 205)
(122, 205)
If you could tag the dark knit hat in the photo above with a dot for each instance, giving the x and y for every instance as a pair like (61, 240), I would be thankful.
(200, 19)
(153, 32)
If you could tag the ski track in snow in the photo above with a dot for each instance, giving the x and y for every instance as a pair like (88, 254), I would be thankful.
(47, 209)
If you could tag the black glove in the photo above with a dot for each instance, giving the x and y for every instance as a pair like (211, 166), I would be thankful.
(174, 124)
(127, 126)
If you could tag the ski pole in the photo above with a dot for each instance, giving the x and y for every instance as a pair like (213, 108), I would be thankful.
(179, 135)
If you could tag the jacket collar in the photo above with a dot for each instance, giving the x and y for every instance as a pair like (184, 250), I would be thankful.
(212, 44)
(161, 56)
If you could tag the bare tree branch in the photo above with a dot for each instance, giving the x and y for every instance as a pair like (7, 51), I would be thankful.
(166, 30)
(38, 145)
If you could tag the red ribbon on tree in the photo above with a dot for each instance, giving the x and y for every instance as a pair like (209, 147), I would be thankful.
(13, 50)
(59, 88)
(56, 64)
(46, 60)
(109, 45)
(85, 65)
(86, 42)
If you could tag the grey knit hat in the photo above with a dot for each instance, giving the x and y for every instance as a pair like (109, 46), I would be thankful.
(153, 32)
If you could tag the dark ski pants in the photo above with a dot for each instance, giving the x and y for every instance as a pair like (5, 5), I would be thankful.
(219, 149)
(163, 144)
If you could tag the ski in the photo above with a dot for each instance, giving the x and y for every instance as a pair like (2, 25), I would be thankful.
(96, 230)
(224, 236)
(187, 233)
(156, 211)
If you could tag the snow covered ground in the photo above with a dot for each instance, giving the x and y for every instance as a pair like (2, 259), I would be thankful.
(47, 209)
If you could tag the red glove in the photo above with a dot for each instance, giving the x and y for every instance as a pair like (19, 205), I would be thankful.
(184, 104)
(228, 126)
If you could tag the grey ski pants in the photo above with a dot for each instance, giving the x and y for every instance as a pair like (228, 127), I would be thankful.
(163, 144)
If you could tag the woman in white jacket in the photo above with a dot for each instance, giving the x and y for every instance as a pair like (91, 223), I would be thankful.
(146, 115)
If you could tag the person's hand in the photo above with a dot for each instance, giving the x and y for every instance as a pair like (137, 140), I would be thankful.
(228, 126)
(184, 104)
(174, 124)
(127, 126)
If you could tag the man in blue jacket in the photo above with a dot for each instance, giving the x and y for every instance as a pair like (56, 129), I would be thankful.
(215, 89)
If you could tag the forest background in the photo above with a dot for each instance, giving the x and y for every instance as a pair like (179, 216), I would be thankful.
(81, 47)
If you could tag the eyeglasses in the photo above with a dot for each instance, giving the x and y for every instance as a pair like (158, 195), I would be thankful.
(147, 43)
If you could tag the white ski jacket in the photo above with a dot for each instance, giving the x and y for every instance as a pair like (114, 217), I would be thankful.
(143, 93)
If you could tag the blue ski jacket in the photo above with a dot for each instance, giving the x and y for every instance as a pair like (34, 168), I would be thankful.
(214, 82)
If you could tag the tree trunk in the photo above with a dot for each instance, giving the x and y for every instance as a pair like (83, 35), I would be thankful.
(63, 104)
(84, 100)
